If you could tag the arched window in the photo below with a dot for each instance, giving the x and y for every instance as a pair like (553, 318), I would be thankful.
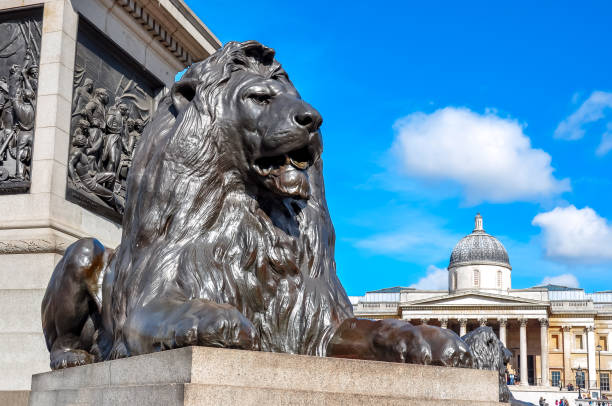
(476, 278)
(499, 279)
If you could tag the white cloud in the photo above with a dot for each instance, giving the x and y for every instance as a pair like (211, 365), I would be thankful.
(591, 110)
(595, 108)
(489, 156)
(606, 142)
(567, 280)
(577, 235)
(435, 279)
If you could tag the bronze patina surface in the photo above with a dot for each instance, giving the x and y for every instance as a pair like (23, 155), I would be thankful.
(227, 240)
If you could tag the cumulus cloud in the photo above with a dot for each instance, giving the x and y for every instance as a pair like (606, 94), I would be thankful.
(577, 235)
(435, 279)
(567, 279)
(597, 107)
(489, 156)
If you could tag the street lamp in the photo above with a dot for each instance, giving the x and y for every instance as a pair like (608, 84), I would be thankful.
(599, 348)
(579, 376)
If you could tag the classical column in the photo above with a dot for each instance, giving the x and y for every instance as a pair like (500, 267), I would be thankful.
(503, 322)
(523, 350)
(482, 321)
(424, 320)
(544, 350)
(590, 330)
(462, 327)
(443, 322)
(567, 350)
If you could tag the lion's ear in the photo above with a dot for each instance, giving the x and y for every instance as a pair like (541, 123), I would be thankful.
(182, 93)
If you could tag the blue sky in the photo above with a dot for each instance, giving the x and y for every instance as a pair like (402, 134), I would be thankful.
(434, 111)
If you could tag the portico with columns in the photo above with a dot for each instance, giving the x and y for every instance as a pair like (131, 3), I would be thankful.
(520, 323)
(559, 336)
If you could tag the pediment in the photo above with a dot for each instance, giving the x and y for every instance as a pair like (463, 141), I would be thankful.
(475, 299)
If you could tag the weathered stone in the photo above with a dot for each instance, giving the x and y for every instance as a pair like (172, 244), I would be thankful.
(202, 375)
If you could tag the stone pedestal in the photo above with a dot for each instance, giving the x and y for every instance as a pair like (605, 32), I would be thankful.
(210, 376)
(161, 38)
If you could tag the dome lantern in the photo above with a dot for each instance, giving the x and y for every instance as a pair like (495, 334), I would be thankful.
(478, 223)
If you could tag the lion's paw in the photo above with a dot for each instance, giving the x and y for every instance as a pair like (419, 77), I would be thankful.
(61, 359)
(215, 325)
(195, 322)
(399, 341)
(447, 348)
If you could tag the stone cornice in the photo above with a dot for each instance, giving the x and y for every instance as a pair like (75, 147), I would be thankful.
(162, 19)
(450, 308)
(508, 300)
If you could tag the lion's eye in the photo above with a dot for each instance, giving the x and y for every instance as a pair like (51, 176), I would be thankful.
(260, 98)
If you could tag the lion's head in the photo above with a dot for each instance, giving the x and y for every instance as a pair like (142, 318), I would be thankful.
(489, 353)
(225, 202)
(272, 135)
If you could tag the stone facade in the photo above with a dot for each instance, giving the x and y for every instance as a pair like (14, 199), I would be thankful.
(559, 336)
(38, 223)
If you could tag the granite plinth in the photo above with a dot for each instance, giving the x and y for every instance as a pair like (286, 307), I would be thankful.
(210, 376)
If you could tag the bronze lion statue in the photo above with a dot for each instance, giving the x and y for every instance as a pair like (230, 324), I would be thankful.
(489, 353)
(227, 240)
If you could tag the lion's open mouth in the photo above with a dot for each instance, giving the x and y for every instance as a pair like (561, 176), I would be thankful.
(286, 174)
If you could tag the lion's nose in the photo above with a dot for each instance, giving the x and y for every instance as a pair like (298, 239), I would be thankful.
(309, 118)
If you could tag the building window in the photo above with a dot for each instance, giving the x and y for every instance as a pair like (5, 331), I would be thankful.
(554, 342)
(476, 278)
(603, 341)
(579, 342)
(555, 377)
(499, 279)
(604, 381)
(580, 379)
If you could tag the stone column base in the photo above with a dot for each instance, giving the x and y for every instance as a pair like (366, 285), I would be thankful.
(209, 376)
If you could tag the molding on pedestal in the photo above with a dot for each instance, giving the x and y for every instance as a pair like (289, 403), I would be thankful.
(55, 245)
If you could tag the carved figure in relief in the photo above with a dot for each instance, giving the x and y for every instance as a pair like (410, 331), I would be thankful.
(80, 170)
(95, 112)
(25, 110)
(18, 113)
(33, 77)
(128, 143)
(112, 133)
(18, 62)
(82, 96)
(116, 130)
(227, 239)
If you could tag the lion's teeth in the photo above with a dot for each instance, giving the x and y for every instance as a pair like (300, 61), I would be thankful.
(299, 165)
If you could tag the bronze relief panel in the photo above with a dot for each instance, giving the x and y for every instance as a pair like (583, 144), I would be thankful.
(113, 99)
(20, 35)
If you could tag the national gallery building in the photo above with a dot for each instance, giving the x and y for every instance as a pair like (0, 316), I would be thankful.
(557, 335)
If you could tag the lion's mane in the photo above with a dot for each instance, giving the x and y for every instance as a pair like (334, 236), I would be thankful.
(194, 229)
(489, 353)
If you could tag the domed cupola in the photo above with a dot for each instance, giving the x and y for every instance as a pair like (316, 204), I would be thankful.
(479, 261)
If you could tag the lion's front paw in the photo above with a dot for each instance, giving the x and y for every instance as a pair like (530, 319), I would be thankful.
(70, 358)
(447, 348)
(399, 341)
(195, 322)
(214, 325)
